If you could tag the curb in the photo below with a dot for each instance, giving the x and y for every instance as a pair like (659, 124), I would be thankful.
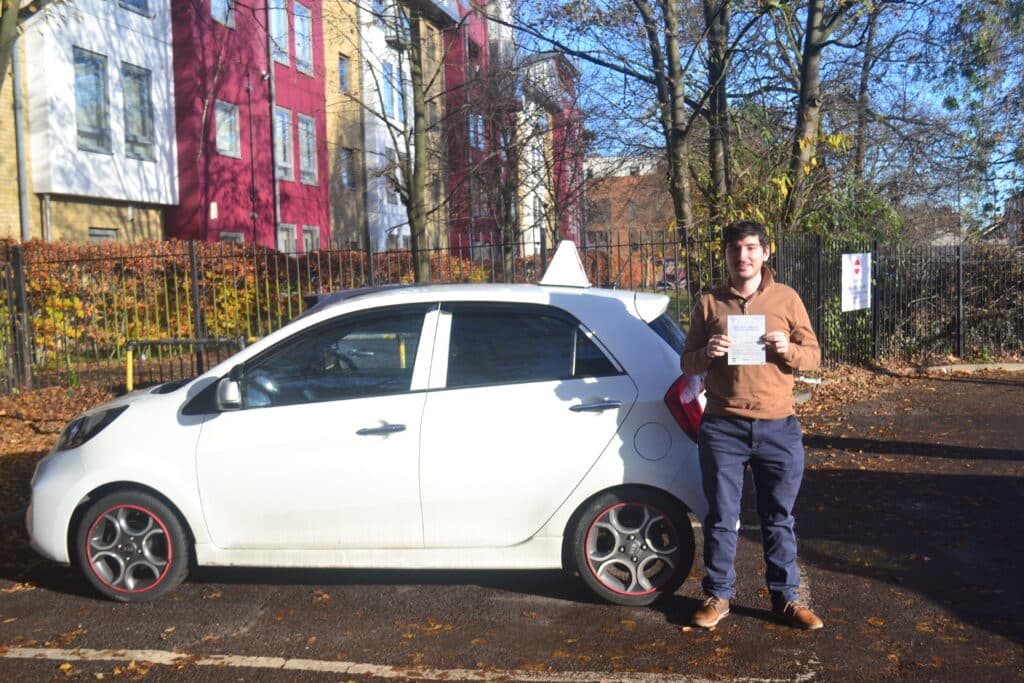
(971, 367)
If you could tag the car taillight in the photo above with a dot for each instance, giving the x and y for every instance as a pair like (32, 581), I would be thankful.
(685, 400)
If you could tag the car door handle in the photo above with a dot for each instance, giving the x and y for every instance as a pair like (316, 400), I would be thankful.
(385, 429)
(597, 407)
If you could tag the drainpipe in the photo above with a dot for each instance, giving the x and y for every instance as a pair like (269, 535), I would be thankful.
(47, 219)
(19, 142)
(273, 124)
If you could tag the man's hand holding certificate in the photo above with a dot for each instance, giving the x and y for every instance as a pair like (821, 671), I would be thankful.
(748, 343)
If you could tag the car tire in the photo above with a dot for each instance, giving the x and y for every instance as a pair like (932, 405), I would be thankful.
(131, 546)
(633, 546)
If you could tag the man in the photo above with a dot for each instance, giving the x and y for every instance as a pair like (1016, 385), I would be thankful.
(749, 419)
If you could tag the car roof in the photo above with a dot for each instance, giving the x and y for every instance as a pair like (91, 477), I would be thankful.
(646, 306)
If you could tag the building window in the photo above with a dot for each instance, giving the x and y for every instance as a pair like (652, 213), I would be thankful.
(348, 168)
(303, 39)
(400, 97)
(226, 122)
(286, 238)
(389, 89)
(279, 47)
(283, 154)
(378, 13)
(231, 237)
(92, 111)
(343, 82)
(223, 12)
(476, 131)
(102, 235)
(310, 238)
(140, 6)
(307, 150)
(138, 112)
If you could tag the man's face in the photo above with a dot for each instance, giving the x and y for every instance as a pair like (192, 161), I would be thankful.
(744, 258)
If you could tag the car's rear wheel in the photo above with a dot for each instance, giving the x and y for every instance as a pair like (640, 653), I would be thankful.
(633, 545)
(131, 546)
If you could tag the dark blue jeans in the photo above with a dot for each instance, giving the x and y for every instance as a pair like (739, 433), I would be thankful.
(775, 453)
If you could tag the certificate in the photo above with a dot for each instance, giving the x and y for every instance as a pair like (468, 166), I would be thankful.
(747, 332)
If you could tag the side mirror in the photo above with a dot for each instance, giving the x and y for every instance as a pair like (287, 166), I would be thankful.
(229, 390)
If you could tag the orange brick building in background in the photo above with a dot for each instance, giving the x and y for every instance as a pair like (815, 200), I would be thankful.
(630, 217)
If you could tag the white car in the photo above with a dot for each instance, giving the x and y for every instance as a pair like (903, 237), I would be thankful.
(441, 426)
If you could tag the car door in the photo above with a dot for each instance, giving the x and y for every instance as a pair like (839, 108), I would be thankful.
(324, 452)
(523, 401)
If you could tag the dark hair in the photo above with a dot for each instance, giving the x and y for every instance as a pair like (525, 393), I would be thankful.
(737, 230)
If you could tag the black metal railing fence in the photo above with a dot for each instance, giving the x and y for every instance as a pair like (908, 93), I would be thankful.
(71, 313)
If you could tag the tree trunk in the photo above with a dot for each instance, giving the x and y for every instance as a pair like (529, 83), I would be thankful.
(417, 179)
(668, 78)
(863, 99)
(808, 113)
(717, 17)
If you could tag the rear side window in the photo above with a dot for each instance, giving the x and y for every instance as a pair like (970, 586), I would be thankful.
(669, 330)
(507, 344)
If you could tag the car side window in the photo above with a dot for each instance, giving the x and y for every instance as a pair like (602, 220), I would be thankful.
(505, 344)
(355, 356)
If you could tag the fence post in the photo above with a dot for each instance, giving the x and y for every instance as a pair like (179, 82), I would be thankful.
(197, 314)
(875, 337)
(959, 301)
(19, 321)
(819, 293)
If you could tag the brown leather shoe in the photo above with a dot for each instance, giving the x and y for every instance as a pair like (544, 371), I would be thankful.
(711, 612)
(797, 616)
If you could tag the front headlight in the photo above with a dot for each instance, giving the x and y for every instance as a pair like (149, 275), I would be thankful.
(84, 427)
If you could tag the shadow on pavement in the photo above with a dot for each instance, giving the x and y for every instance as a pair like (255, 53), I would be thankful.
(932, 450)
(953, 538)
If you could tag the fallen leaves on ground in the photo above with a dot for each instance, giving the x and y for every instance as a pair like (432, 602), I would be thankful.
(30, 423)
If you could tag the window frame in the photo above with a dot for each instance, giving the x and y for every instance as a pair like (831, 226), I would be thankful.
(286, 238)
(303, 56)
(476, 130)
(344, 73)
(284, 146)
(145, 140)
(220, 108)
(98, 140)
(347, 162)
(141, 8)
(228, 17)
(308, 158)
(573, 328)
(389, 89)
(309, 245)
(279, 31)
(99, 235)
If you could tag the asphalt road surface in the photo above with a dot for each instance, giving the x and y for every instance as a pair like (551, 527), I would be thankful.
(910, 522)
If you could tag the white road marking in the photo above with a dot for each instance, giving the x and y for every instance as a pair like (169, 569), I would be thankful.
(167, 658)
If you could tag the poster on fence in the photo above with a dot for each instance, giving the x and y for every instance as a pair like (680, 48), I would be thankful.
(856, 281)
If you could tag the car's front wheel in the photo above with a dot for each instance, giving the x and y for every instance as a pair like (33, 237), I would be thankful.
(131, 546)
(633, 546)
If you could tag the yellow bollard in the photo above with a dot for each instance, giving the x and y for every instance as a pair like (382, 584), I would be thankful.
(129, 379)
